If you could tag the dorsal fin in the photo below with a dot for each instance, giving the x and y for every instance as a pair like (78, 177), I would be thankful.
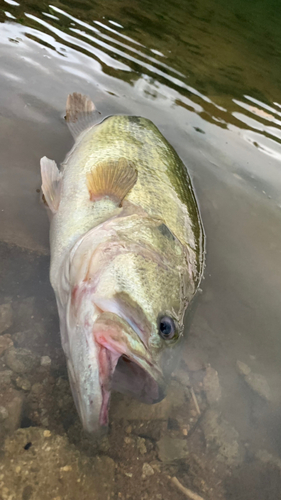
(80, 114)
(51, 183)
(112, 179)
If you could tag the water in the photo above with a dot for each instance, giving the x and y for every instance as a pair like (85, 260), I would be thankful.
(208, 75)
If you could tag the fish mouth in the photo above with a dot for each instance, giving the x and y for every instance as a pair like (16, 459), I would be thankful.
(113, 358)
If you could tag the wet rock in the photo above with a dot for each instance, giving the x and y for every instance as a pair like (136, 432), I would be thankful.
(6, 317)
(221, 438)
(21, 360)
(147, 470)
(242, 368)
(130, 409)
(12, 401)
(5, 343)
(23, 383)
(211, 386)
(50, 468)
(141, 445)
(5, 377)
(170, 449)
(46, 361)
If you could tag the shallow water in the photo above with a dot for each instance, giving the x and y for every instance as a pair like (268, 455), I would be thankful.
(208, 75)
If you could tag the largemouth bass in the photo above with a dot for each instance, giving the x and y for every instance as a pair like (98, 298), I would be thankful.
(127, 256)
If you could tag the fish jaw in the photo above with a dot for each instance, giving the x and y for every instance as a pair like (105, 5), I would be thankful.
(96, 341)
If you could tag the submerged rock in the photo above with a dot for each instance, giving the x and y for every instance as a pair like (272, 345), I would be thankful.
(141, 445)
(211, 386)
(266, 458)
(23, 383)
(46, 361)
(41, 465)
(221, 438)
(242, 368)
(256, 382)
(5, 377)
(5, 343)
(6, 317)
(129, 409)
(11, 402)
(170, 449)
(147, 470)
(21, 360)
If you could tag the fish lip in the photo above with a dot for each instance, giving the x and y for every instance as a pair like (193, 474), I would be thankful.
(85, 371)
(144, 359)
(122, 349)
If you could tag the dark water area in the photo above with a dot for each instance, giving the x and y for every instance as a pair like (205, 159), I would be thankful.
(208, 74)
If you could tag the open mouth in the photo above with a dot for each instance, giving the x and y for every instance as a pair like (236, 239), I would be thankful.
(128, 378)
(120, 369)
(106, 356)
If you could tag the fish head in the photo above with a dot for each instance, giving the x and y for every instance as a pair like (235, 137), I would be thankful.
(123, 321)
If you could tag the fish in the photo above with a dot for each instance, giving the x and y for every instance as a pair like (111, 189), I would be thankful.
(127, 257)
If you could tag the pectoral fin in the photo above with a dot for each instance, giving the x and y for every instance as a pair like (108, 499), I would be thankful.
(81, 113)
(51, 183)
(112, 179)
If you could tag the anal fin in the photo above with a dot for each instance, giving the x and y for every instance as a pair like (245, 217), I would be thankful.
(51, 183)
(112, 179)
(81, 113)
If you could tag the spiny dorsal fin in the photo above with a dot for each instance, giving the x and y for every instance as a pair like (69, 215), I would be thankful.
(51, 183)
(112, 179)
(80, 114)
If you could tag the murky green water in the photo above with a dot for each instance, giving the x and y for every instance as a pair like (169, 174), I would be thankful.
(209, 75)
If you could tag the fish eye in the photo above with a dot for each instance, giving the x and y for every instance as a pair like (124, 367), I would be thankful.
(167, 328)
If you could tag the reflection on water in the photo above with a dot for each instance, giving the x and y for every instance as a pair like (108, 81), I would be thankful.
(208, 74)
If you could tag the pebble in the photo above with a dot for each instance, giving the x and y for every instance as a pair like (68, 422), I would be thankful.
(66, 468)
(141, 445)
(5, 343)
(47, 434)
(23, 383)
(46, 361)
(37, 388)
(6, 317)
(3, 413)
(21, 360)
(147, 470)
